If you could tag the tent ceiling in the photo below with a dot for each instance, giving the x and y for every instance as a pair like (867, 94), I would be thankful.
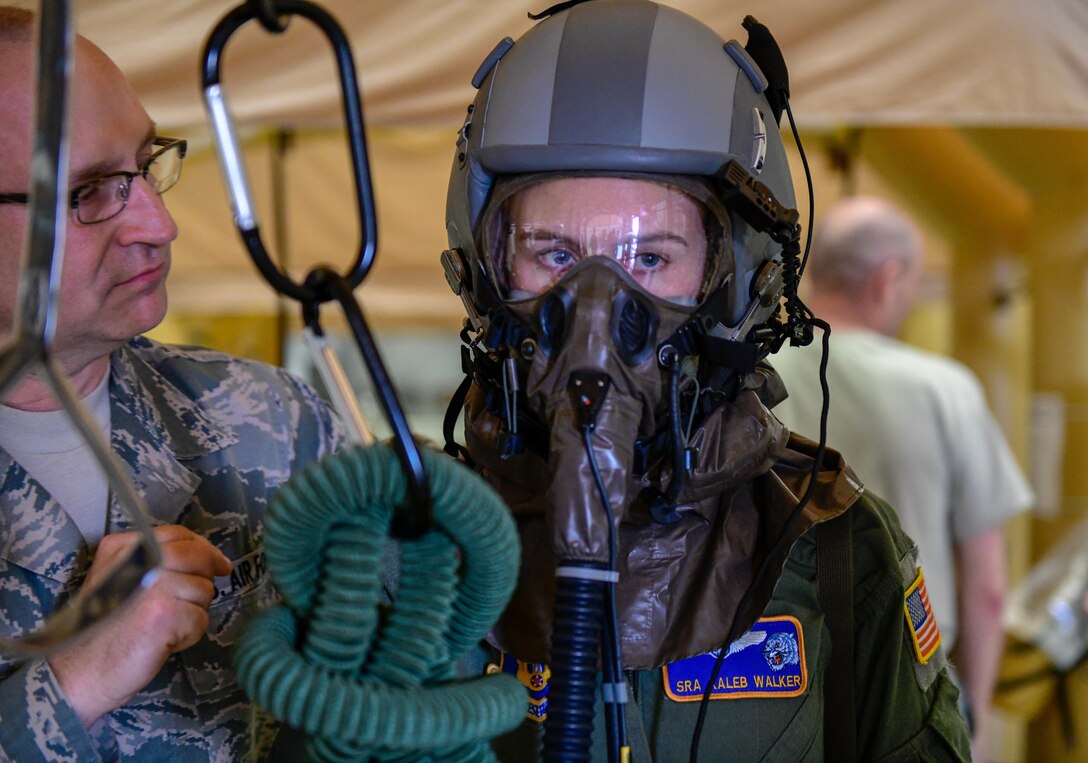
(977, 109)
(974, 62)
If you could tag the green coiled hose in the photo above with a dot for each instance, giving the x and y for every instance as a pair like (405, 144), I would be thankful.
(362, 681)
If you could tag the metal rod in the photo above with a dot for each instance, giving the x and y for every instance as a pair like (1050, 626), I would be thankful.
(35, 326)
(336, 382)
(281, 144)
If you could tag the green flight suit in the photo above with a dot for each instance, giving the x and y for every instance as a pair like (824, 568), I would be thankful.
(905, 710)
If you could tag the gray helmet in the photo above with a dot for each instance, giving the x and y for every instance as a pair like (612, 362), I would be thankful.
(627, 87)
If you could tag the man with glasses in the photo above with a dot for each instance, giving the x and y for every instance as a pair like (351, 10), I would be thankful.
(208, 439)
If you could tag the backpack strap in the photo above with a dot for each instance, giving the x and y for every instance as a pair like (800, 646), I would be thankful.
(835, 575)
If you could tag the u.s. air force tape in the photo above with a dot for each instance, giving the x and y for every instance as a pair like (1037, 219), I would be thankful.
(245, 575)
(588, 573)
(768, 661)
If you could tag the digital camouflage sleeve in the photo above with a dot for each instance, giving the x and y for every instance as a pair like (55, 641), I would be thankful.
(208, 440)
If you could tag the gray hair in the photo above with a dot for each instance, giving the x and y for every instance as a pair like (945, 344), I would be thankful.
(855, 237)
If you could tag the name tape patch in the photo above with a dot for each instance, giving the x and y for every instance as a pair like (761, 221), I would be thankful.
(245, 575)
(768, 661)
(921, 622)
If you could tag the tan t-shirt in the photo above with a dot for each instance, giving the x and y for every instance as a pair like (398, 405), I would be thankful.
(54, 453)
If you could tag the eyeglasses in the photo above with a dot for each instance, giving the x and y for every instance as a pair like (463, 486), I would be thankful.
(106, 197)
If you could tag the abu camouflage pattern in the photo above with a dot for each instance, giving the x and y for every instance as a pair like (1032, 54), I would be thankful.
(208, 439)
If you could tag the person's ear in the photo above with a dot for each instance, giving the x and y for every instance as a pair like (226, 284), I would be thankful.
(885, 282)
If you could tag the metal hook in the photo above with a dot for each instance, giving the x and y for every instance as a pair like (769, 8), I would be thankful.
(35, 325)
(230, 156)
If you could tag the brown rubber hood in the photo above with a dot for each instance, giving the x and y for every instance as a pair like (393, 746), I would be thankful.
(680, 584)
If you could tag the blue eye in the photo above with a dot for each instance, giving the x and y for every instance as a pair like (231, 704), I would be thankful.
(557, 258)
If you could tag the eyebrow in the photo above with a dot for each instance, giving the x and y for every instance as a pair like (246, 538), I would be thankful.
(543, 233)
(654, 238)
(108, 166)
(648, 238)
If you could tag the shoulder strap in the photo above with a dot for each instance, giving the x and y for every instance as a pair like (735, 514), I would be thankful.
(449, 421)
(835, 574)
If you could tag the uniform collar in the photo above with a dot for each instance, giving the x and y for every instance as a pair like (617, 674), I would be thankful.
(150, 402)
(156, 428)
(36, 532)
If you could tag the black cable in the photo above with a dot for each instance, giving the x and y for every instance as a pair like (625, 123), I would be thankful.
(662, 505)
(765, 564)
(807, 316)
(613, 673)
(679, 465)
(808, 181)
(269, 16)
(449, 423)
(558, 7)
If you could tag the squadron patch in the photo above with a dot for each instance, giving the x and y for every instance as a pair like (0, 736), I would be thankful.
(767, 661)
(921, 622)
(533, 676)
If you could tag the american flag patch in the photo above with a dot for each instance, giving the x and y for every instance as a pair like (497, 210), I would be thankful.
(920, 620)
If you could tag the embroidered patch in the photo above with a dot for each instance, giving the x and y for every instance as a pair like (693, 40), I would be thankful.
(534, 676)
(921, 622)
(767, 661)
(245, 575)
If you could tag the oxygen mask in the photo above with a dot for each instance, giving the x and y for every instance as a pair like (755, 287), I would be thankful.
(598, 272)
(601, 270)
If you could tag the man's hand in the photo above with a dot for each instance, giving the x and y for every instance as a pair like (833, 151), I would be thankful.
(104, 671)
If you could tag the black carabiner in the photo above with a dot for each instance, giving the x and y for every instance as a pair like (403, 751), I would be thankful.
(330, 285)
(322, 284)
(245, 217)
(268, 15)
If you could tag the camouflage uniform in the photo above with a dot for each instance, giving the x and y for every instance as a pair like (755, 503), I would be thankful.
(208, 439)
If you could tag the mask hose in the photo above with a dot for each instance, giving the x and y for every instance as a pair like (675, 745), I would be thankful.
(576, 638)
(360, 679)
(584, 599)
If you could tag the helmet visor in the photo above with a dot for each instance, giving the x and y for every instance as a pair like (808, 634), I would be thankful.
(666, 239)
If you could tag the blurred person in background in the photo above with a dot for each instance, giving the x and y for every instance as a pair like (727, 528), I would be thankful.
(915, 425)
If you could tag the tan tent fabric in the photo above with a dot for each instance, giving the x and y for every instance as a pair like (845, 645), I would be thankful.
(992, 62)
(919, 63)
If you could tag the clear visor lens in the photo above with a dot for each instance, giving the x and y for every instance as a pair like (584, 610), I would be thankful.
(660, 235)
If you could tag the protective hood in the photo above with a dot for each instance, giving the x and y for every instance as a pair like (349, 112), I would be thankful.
(680, 585)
